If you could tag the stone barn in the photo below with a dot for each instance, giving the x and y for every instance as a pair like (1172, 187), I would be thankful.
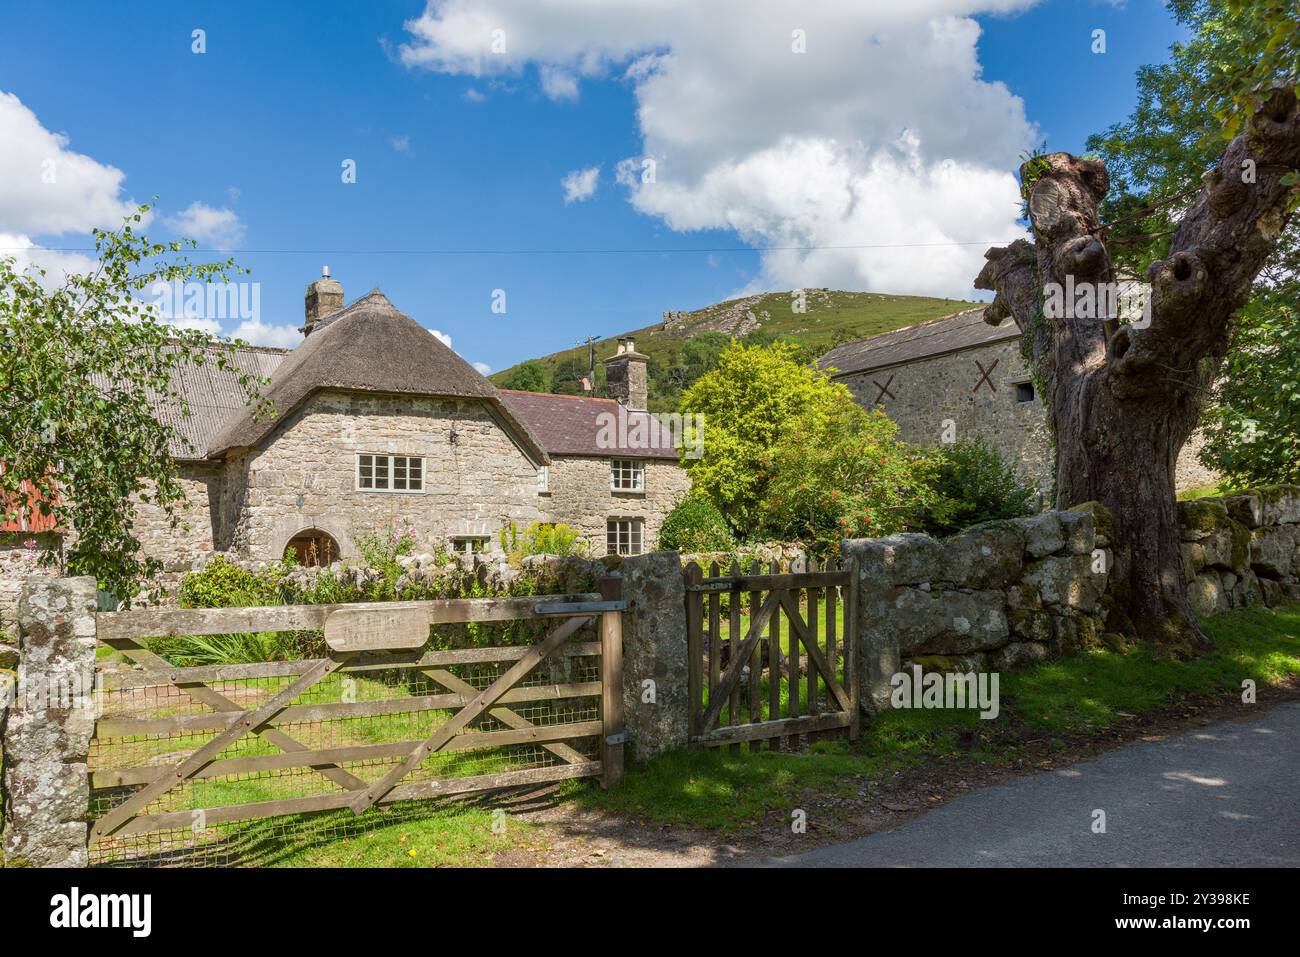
(956, 377)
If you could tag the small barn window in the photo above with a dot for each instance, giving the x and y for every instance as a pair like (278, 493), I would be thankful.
(312, 548)
(543, 478)
(390, 473)
(1024, 392)
(623, 536)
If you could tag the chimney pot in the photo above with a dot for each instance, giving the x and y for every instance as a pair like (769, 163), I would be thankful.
(625, 376)
(324, 296)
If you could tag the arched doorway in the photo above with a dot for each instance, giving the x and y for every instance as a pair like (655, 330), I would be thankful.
(312, 547)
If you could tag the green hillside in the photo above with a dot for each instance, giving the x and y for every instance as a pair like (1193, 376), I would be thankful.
(687, 344)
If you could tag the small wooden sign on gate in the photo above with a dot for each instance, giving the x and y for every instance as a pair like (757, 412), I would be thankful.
(376, 629)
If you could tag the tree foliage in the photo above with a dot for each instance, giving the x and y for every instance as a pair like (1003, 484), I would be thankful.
(1252, 426)
(841, 472)
(528, 376)
(754, 398)
(970, 483)
(82, 366)
(1187, 110)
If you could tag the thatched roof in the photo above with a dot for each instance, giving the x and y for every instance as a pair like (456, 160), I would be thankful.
(962, 330)
(369, 346)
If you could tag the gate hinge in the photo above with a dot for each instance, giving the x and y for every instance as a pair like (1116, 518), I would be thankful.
(620, 738)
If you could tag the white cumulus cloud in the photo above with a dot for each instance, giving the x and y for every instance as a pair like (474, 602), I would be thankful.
(482, 368)
(884, 133)
(442, 337)
(580, 184)
(219, 228)
(264, 334)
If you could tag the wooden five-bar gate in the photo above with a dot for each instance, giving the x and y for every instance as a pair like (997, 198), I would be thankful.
(409, 701)
(753, 681)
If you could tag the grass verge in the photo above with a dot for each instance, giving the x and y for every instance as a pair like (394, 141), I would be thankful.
(1055, 700)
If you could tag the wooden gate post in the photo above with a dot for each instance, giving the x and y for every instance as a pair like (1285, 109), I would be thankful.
(611, 684)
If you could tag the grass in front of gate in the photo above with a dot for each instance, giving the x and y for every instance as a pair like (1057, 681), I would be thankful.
(1057, 699)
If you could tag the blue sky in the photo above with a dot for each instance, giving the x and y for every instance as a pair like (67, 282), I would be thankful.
(868, 144)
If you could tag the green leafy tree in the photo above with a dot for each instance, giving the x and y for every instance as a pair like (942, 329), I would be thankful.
(567, 376)
(1252, 426)
(842, 473)
(82, 365)
(528, 376)
(970, 484)
(1187, 111)
(1196, 192)
(750, 402)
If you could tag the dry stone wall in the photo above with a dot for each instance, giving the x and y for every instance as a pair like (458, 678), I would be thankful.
(1002, 594)
(1241, 549)
(20, 558)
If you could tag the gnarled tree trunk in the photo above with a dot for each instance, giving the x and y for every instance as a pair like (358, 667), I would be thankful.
(1122, 399)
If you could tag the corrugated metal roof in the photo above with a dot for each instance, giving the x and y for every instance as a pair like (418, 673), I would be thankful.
(962, 330)
(214, 396)
(571, 425)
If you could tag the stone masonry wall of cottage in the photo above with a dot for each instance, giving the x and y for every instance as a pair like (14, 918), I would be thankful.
(929, 391)
(179, 548)
(581, 497)
(303, 475)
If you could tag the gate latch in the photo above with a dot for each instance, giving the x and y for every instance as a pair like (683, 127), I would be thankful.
(613, 739)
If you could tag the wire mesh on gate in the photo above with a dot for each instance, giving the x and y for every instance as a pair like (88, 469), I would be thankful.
(132, 751)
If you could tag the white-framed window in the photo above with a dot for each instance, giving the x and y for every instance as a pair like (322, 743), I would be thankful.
(390, 473)
(543, 478)
(470, 544)
(623, 536)
(627, 475)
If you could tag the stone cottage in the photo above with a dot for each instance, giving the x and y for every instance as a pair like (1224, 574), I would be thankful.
(379, 424)
(956, 377)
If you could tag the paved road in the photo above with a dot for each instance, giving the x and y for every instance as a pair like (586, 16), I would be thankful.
(1222, 796)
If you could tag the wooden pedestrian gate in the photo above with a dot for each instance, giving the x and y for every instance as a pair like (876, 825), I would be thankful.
(752, 681)
(386, 716)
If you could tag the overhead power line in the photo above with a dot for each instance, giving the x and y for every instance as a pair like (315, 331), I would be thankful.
(589, 251)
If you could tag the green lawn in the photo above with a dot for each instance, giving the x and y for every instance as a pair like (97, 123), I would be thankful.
(1060, 699)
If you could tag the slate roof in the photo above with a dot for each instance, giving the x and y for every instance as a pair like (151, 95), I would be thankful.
(962, 330)
(571, 425)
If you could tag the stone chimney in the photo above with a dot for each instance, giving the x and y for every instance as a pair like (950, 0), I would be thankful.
(625, 376)
(324, 296)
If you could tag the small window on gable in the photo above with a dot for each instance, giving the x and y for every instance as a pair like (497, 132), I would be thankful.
(1024, 392)
(543, 478)
(627, 475)
(390, 473)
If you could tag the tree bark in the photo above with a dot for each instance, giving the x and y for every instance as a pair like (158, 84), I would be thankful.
(1123, 398)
